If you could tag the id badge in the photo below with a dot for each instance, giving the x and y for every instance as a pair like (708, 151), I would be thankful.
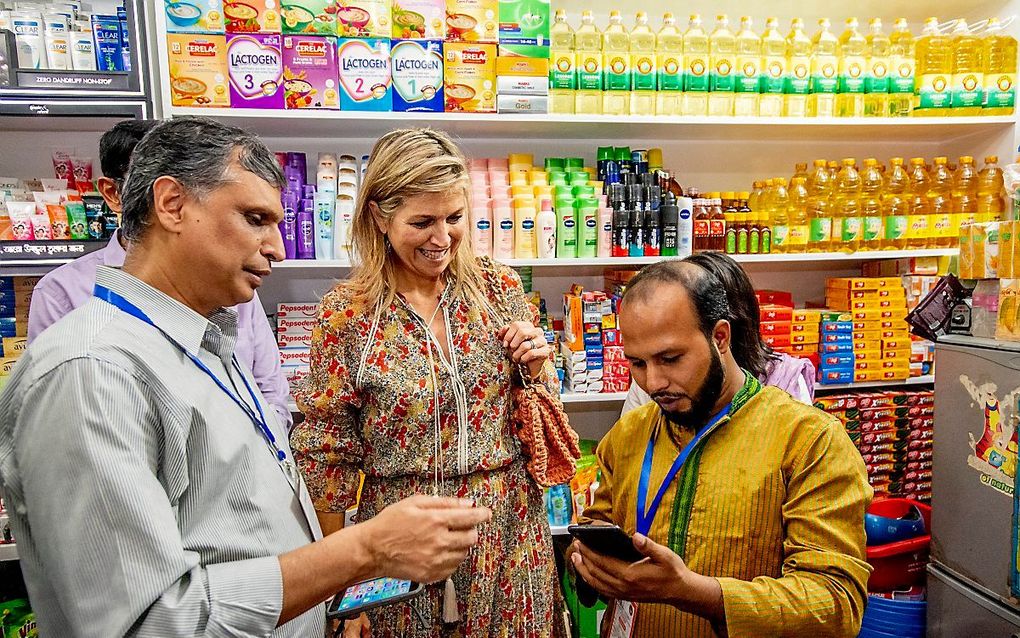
(621, 621)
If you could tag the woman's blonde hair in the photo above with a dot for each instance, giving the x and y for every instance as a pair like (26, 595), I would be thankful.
(406, 163)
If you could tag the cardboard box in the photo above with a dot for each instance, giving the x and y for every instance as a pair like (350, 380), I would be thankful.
(310, 72)
(252, 16)
(472, 21)
(775, 313)
(416, 67)
(522, 104)
(315, 17)
(775, 327)
(470, 77)
(419, 19)
(198, 70)
(364, 69)
(524, 22)
(297, 310)
(518, 85)
(522, 67)
(774, 297)
(255, 69)
(197, 17)
(1008, 322)
(364, 19)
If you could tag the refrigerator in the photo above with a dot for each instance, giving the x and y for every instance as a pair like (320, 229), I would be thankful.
(973, 588)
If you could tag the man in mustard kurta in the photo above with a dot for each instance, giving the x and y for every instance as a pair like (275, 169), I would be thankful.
(748, 505)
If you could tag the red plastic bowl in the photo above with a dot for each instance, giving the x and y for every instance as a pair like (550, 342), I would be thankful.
(899, 565)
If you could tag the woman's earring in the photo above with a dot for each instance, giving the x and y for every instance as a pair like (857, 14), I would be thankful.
(386, 241)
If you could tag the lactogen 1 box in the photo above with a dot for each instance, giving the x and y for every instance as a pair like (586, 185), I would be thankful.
(364, 74)
(310, 72)
(255, 66)
(417, 70)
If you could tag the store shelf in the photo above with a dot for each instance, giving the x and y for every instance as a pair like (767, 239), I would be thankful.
(559, 530)
(601, 262)
(927, 379)
(8, 551)
(347, 124)
(569, 398)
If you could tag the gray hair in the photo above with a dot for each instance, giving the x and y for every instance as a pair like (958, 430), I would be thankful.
(197, 152)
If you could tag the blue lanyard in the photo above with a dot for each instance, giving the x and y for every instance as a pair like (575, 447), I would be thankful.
(259, 420)
(645, 518)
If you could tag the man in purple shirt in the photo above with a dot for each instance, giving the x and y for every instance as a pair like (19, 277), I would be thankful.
(69, 286)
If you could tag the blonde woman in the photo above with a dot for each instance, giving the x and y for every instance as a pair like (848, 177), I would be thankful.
(412, 365)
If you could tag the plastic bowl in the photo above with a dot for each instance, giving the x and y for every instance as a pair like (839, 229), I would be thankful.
(886, 522)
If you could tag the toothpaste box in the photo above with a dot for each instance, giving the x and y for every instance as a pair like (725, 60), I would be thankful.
(255, 68)
(297, 310)
(299, 326)
(310, 72)
(364, 68)
(252, 16)
(198, 70)
(416, 67)
(194, 16)
(294, 341)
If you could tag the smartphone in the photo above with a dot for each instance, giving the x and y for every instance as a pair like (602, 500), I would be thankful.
(608, 540)
(371, 594)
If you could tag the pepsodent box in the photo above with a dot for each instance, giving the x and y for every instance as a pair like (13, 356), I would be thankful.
(297, 310)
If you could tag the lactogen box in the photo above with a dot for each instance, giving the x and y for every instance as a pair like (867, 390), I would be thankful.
(255, 67)
(417, 69)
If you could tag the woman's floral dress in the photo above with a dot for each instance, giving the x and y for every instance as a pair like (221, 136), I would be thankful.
(369, 403)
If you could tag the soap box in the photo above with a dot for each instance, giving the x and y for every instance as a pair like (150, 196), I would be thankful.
(417, 70)
(198, 70)
(196, 16)
(252, 16)
(255, 67)
(310, 72)
(364, 74)
(309, 16)
(472, 21)
(419, 19)
(470, 77)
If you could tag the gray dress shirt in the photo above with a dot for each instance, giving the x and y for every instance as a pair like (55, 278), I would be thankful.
(144, 501)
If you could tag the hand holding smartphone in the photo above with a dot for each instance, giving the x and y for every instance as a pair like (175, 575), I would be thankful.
(371, 594)
(608, 540)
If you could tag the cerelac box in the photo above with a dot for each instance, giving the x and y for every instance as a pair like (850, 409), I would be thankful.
(198, 69)
(196, 16)
(364, 74)
(470, 77)
(252, 16)
(417, 70)
(309, 16)
(310, 72)
(363, 19)
(255, 66)
(419, 19)
(472, 21)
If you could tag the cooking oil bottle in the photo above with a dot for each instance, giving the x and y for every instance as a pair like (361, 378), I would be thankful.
(934, 72)
(968, 71)
(876, 82)
(799, 170)
(722, 49)
(588, 43)
(642, 67)
(824, 72)
(797, 84)
(754, 198)
(780, 218)
(919, 232)
(820, 209)
(797, 217)
(1000, 70)
(669, 59)
(562, 65)
(896, 206)
(848, 206)
(766, 221)
(773, 70)
(696, 71)
(940, 197)
(901, 69)
(852, 69)
(965, 193)
(990, 189)
(872, 184)
(615, 67)
(748, 70)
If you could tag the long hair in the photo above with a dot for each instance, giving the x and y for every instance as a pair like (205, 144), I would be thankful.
(406, 163)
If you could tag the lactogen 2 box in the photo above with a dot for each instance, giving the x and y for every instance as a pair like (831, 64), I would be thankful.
(417, 70)
(255, 67)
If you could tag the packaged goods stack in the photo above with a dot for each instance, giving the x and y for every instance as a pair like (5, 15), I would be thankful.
(294, 325)
(592, 346)
(15, 298)
(876, 309)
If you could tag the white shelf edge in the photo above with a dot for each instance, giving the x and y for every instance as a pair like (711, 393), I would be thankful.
(922, 380)
(8, 552)
(559, 530)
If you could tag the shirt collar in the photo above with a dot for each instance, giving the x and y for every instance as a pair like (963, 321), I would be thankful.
(182, 325)
(114, 253)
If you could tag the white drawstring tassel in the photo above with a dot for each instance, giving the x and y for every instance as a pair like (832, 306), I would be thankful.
(451, 614)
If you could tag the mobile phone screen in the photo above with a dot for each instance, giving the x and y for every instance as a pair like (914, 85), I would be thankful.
(371, 592)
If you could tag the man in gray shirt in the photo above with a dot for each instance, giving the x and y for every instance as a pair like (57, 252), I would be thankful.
(151, 487)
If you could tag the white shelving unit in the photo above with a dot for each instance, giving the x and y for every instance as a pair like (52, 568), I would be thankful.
(927, 379)
(8, 551)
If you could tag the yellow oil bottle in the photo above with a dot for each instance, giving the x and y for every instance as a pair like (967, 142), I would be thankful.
(824, 72)
(968, 72)
(964, 194)
(991, 190)
(848, 206)
(779, 215)
(820, 208)
(797, 84)
(722, 55)
(940, 197)
(896, 206)
(642, 67)
(748, 70)
(696, 71)
(562, 65)
(902, 67)
(669, 59)
(919, 232)
(616, 67)
(797, 217)
(1000, 57)
(773, 70)
(588, 43)
(799, 170)
(934, 73)
(876, 82)
(872, 184)
(853, 64)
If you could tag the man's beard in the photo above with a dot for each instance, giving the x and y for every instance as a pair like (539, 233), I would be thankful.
(702, 403)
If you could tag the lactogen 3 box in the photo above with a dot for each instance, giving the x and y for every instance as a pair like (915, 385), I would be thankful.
(255, 67)
(417, 70)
